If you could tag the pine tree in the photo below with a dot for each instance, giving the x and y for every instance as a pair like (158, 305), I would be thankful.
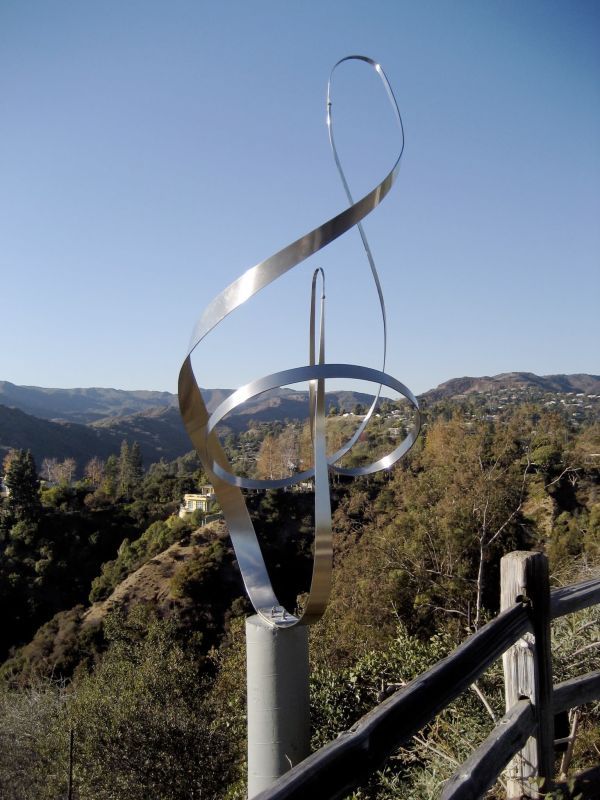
(135, 464)
(130, 468)
(22, 481)
(124, 482)
(111, 476)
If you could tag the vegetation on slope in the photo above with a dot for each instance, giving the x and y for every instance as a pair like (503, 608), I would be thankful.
(417, 553)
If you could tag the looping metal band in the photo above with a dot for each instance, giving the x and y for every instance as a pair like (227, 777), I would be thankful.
(201, 426)
(312, 373)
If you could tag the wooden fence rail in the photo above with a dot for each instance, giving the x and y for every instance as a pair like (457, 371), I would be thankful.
(333, 771)
(574, 598)
(480, 771)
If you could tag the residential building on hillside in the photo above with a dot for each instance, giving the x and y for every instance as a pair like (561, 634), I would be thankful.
(198, 501)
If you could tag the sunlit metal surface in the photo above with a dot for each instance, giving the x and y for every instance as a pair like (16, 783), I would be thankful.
(201, 426)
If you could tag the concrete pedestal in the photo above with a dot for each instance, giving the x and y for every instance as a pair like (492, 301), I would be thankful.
(278, 701)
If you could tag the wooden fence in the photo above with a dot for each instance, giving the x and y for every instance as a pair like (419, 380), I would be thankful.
(521, 635)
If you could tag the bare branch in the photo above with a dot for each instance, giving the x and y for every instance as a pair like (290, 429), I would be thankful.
(565, 471)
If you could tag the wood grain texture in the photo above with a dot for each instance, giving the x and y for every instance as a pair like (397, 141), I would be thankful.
(576, 692)
(575, 597)
(528, 668)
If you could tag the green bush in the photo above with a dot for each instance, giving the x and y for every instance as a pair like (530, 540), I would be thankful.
(143, 727)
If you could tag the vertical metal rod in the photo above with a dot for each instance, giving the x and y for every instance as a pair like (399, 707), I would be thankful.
(278, 701)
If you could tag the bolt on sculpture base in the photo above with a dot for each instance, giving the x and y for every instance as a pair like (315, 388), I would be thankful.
(278, 701)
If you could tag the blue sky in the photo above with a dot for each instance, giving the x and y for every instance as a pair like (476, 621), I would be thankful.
(150, 152)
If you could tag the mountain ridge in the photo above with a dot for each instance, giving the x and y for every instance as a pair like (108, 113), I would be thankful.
(86, 405)
(98, 420)
(576, 382)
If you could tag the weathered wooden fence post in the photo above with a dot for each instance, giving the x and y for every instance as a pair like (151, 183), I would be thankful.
(528, 671)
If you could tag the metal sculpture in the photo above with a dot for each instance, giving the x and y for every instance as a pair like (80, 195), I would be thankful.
(201, 426)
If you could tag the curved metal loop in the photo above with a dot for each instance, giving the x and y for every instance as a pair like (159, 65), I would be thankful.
(312, 373)
(360, 429)
(201, 426)
(264, 273)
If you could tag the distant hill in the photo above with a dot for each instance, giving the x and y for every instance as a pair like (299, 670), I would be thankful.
(94, 405)
(81, 405)
(82, 423)
(159, 432)
(58, 440)
(52, 432)
(590, 384)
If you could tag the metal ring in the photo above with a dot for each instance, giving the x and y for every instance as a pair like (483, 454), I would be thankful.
(297, 375)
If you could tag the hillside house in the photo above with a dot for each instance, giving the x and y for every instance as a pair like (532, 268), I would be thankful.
(199, 501)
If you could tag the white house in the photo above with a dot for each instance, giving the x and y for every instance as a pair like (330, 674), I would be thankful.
(199, 501)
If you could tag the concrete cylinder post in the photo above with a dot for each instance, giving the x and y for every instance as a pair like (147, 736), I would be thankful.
(278, 701)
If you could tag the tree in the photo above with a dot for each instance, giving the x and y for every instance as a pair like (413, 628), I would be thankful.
(289, 450)
(138, 718)
(124, 481)
(267, 460)
(111, 476)
(136, 469)
(468, 499)
(94, 471)
(34, 734)
(386, 406)
(23, 485)
(431, 538)
(49, 466)
(65, 471)
(130, 468)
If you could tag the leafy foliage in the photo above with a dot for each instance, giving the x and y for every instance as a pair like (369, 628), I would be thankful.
(34, 732)
(417, 553)
(139, 716)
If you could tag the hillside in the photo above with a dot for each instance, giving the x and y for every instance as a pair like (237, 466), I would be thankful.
(55, 645)
(160, 654)
(53, 439)
(80, 405)
(160, 434)
(589, 384)
(151, 583)
(83, 423)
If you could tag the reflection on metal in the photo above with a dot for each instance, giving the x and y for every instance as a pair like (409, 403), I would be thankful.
(201, 426)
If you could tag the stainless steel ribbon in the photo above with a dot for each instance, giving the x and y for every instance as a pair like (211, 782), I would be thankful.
(201, 425)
